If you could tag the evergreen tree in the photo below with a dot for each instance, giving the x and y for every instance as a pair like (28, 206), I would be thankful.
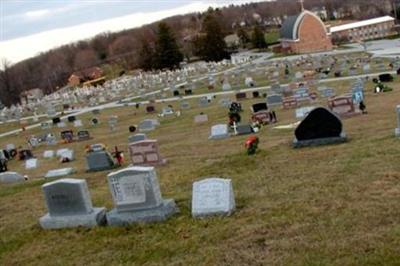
(243, 36)
(167, 54)
(258, 39)
(146, 56)
(211, 46)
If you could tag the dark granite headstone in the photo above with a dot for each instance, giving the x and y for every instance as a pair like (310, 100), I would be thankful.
(320, 126)
(56, 120)
(259, 107)
(71, 118)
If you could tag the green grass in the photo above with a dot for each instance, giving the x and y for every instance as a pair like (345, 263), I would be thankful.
(328, 205)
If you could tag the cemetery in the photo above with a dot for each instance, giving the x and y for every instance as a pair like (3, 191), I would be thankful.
(262, 165)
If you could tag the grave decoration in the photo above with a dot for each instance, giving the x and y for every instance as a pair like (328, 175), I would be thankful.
(137, 197)
(212, 196)
(98, 159)
(320, 127)
(150, 109)
(235, 107)
(256, 94)
(145, 153)
(95, 121)
(343, 106)
(380, 87)
(132, 129)
(78, 123)
(69, 205)
(251, 145)
(24, 155)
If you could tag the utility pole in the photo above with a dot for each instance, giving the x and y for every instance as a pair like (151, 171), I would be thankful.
(395, 9)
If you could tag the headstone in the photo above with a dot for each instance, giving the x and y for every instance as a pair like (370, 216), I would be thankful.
(31, 164)
(290, 102)
(243, 130)
(51, 139)
(56, 120)
(304, 111)
(241, 96)
(137, 137)
(78, 123)
(184, 105)
(320, 127)
(99, 160)
(61, 124)
(11, 177)
(146, 125)
(219, 131)
(83, 135)
(327, 92)
(203, 102)
(202, 118)
(225, 102)
(59, 172)
(259, 107)
(71, 118)
(145, 153)
(48, 154)
(274, 100)
(45, 125)
(137, 197)
(150, 109)
(69, 204)
(212, 196)
(343, 106)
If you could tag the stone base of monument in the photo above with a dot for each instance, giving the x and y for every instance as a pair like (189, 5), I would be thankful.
(160, 213)
(318, 142)
(95, 218)
(397, 132)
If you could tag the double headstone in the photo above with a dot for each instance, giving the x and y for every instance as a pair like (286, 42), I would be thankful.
(69, 204)
(137, 197)
(145, 153)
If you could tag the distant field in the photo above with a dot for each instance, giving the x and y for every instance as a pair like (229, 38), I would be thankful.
(328, 205)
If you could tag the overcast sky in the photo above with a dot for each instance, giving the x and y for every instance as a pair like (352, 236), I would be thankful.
(28, 27)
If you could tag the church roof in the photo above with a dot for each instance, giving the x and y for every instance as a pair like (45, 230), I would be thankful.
(291, 25)
(288, 27)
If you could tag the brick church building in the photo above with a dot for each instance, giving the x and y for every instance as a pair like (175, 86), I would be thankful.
(305, 33)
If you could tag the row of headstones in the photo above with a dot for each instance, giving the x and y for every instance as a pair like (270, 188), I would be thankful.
(137, 198)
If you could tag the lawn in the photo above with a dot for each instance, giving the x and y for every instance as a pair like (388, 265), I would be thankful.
(327, 205)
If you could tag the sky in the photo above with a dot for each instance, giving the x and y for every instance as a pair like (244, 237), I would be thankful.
(28, 27)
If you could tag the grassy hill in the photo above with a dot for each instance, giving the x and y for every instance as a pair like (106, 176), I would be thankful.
(313, 206)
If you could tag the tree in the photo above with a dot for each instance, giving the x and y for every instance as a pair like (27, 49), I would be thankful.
(258, 38)
(243, 36)
(8, 94)
(211, 45)
(146, 56)
(167, 53)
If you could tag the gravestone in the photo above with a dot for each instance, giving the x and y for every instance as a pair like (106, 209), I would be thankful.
(78, 123)
(56, 120)
(304, 111)
(225, 102)
(243, 130)
(226, 86)
(327, 92)
(219, 131)
(202, 118)
(146, 125)
(150, 109)
(212, 196)
(274, 100)
(99, 160)
(145, 153)
(397, 131)
(136, 137)
(83, 135)
(59, 172)
(61, 124)
(240, 96)
(137, 197)
(66, 154)
(343, 106)
(45, 125)
(255, 108)
(69, 205)
(96, 111)
(71, 118)
(51, 139)
(31, 164)
(320, 127)
(11, 177)
(203, 102)
(184, 105)
(48, 154)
